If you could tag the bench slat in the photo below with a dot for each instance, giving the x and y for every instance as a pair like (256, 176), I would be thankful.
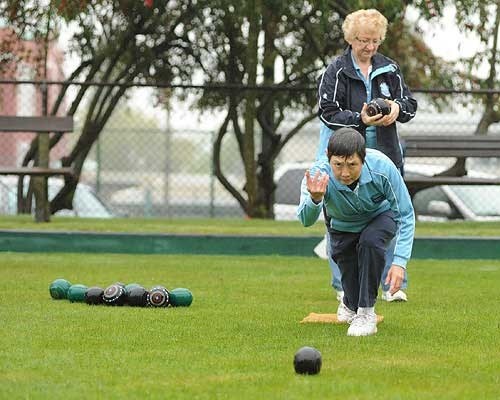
(451, 180)
(451, 146)
(36, 124)
(409, 152)
(451, 138)
(36, 171)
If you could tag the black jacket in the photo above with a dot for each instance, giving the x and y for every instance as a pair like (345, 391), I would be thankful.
(341, 94)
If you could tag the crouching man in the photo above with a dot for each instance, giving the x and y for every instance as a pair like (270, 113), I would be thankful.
(367, 200)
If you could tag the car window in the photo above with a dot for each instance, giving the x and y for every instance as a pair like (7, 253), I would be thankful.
(484, 201)
(288, 187)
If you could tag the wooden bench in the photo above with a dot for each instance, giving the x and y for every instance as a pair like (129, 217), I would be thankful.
(47, 124)
(459, 147)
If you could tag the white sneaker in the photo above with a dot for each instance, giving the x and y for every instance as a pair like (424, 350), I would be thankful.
(363, 325)
(344, 314)
(340, 295)
(398, 296)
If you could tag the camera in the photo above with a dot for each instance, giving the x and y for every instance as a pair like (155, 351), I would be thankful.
(378, 106)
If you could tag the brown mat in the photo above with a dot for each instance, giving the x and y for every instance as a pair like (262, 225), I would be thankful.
(329, 319)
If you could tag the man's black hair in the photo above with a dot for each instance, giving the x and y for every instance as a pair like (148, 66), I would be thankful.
(346, 142)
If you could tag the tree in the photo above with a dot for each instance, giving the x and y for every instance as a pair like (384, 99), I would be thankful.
(483, 18)
(272, 43)
(480, 18)
(292, 40)
(118, 42)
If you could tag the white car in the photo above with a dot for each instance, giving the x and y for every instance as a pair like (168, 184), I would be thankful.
(287, 195)
(438, 203)
(86, 204)
(455, 202)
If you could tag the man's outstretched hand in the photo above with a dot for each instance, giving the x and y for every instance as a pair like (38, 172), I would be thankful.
(316, 185)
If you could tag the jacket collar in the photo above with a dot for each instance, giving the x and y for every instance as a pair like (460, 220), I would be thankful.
(379, 62)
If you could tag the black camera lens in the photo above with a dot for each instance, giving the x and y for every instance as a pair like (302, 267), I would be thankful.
(378, 106)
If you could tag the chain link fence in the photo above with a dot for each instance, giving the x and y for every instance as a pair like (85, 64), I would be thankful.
(156, 161)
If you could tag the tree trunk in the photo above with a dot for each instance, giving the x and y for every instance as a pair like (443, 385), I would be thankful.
(266, 186)
(491, 112)
(250, 107)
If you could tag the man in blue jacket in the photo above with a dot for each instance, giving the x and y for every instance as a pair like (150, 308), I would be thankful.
(368, 204)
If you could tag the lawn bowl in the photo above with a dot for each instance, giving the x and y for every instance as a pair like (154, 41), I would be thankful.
(307, 361)
(181, 297)
(159, 296)
(93, 296)
(58, 289)
(131, 286)
(76, 293)
(138, 297)
(115, 295)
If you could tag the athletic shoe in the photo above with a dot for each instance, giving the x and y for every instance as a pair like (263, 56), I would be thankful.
(340, 295)
(398, 296)
(363, 325)
(344, 314)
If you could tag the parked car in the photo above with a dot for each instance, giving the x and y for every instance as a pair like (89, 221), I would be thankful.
(287, 195)
(86, 204)
(438, 203)
(456, 202)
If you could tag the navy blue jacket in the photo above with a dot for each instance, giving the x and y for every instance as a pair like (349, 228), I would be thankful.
(341, 94)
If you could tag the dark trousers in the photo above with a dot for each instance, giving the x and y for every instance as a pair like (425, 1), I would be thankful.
(361, 259)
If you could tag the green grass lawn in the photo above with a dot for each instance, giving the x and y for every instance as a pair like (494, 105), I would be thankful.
(238, 338)
(230, 226)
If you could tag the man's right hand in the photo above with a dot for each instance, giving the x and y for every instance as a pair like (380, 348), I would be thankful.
(316, 185)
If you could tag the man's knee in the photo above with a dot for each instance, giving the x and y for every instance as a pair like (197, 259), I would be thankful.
(374, 238)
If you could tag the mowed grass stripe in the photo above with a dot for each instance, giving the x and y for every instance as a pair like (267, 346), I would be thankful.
(238, 338)
(226, 226)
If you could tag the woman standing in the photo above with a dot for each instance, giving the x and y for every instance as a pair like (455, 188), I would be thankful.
(349, 83)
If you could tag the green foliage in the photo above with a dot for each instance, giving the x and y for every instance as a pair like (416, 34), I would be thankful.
(297, 41)
(124, 41)
(238, 338)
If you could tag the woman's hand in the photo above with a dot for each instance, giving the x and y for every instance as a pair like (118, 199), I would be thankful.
(378, 119)
(391, 118)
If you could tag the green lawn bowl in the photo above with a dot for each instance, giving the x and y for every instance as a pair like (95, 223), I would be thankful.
(76, 293)
(181, 297)
(58, 289)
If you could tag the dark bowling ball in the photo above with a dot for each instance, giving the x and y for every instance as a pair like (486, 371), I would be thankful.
(115, 295)
(93, 295)
(138, 297)
(159, 296)
(130, 286)
(307, 360)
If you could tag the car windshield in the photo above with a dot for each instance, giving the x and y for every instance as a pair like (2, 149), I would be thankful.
(484, 201)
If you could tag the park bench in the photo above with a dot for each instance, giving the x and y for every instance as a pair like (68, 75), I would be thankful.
(46, 124)
(459, 147)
